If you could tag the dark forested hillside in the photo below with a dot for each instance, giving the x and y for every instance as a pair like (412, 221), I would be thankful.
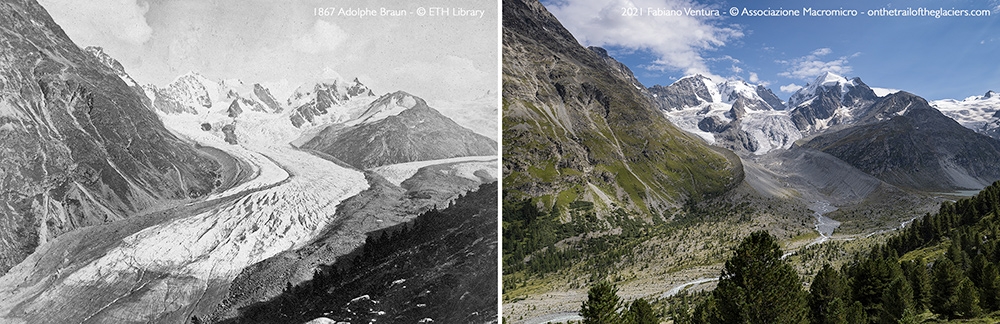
(442, 266)
(941, 267)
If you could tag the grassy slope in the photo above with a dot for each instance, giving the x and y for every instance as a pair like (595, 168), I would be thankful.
(569, 121)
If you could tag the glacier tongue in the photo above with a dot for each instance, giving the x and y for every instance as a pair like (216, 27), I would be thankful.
(163, 272)
(772, 130)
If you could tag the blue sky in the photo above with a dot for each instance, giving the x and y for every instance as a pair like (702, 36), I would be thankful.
(937, 58)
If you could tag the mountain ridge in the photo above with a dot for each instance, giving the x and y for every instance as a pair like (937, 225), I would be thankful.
(86, 149)
(569, 130)
(416, 133)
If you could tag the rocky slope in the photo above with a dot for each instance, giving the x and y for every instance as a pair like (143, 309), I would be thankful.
(572, 123)
(912, 145)
(80, 146)
(399, 128)
(118, 70)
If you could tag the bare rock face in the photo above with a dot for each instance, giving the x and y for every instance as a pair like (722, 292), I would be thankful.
(234, 109)
(265, 96)
(687, 92)
(80, 146)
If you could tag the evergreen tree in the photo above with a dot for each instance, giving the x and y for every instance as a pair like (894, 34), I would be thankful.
(678, 310)
(640, 312)
(920, 282)
(871, 277)
(856, 314)
(989, 296)
(897, 301)
(945, 287)
(602, 304)
(757, 286)
(967, 300)
(828, 297)
(706, 312)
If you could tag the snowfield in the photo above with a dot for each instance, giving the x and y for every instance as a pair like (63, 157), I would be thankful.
(976, 112)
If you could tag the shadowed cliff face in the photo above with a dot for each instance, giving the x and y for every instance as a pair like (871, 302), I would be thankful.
(79, 146)
(572, 119)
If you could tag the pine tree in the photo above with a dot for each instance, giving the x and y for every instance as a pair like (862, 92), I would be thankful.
(920, 282)
(602, 304)
(856, 314)
(706, 312)
(989, 296)
(827, 297)
(871, 277)
(967, 300)
(640, 312)
(757, 286)
(897, 301)
(678, 310)
(945, 287)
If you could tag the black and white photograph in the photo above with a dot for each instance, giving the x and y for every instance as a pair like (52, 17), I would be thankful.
(182, 161)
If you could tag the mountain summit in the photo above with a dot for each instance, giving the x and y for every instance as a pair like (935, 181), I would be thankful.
(417, 133)
(830, 100)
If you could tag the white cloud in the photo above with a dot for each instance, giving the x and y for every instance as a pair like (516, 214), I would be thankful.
(809, 66)
(323, 37)
(754, 78)
(789, 88)
(736, 69)
(101, 22)
(678, 42)
(822, 51)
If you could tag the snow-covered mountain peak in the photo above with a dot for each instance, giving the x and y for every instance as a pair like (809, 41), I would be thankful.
(106, 59)
(691, 77)
(190, 76)
(823, 83)
(234, 84)
(339, 100)
(733, 89)
(196, 94)
(830, 79)
(387, 105)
